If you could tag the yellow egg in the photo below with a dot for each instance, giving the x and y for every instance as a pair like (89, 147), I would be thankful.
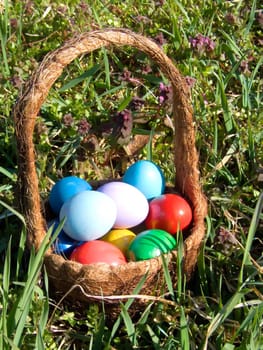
(121, 238)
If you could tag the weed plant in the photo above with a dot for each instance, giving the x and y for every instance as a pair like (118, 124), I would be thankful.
(112, 107)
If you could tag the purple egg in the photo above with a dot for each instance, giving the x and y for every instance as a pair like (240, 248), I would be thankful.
(132, 205)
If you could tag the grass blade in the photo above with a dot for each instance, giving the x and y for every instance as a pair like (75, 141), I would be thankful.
(231, 43)
(43, 317)
(179, 262)
(126, 306)
(4, 34)
(19, 312)
(12, 210)
(154, 337)
(250, 237)
(89, 73)
(251, 17)
(254, 316)
(184, 331)
(5, 292)
(106, 68)
(7, 173)
(20, 252)
(167, 276)
(129, 326)
(222, 99)
(222, 315)
(149, 146)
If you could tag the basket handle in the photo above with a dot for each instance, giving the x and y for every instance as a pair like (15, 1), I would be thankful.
(35, 92)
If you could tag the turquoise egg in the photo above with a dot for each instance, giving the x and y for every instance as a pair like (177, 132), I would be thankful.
(65, 189)
(147, 177)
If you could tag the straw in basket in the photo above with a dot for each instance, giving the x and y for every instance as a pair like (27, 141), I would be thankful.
(96, 282)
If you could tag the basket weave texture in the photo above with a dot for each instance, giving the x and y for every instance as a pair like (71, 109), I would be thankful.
(99, 280)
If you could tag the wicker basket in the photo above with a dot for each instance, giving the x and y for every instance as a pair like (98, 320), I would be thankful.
(96, 282)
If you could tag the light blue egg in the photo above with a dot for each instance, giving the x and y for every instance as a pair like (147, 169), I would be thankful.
(89, 215)
(147, 177)
(64, 189)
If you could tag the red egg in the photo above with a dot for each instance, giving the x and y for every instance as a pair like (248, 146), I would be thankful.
(169, 212)
(98, 252)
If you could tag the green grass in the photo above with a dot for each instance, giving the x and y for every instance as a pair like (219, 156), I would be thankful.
(222, 306)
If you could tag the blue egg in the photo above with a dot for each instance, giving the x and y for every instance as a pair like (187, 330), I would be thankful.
(63, 245)
(89, 215)
(147, 177)
(64, 189)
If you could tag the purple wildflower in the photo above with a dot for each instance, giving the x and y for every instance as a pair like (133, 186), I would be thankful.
(67, 119)
(84, 7)
(159, 3)
(136, 103)
(259, 19)
(230, 18)
(29, 7)
(123, 123)
(202, 43)
(83, 127)
(143, 19)
(146, 69)
(14, 23)
(159, 39)
(190, 81)
(244, 65)
(165, 92)
(226, 240)
(16, 81)
(126, 75)
(62, 9)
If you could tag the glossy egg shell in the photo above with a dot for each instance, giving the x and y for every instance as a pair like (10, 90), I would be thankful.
(121, 238)
(169, 212)
(98, 252)
(63, 245)
(132, 206)
(65, 189)
(147, 177)
(150, 244)
(89, 215)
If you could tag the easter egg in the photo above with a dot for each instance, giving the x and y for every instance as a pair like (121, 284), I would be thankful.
(98, 252)
(121, 238)
(147, 177)
(132, 206)
(150, 244)
(63, 244)
(89, 215)
(64, 189)
(169, 212)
